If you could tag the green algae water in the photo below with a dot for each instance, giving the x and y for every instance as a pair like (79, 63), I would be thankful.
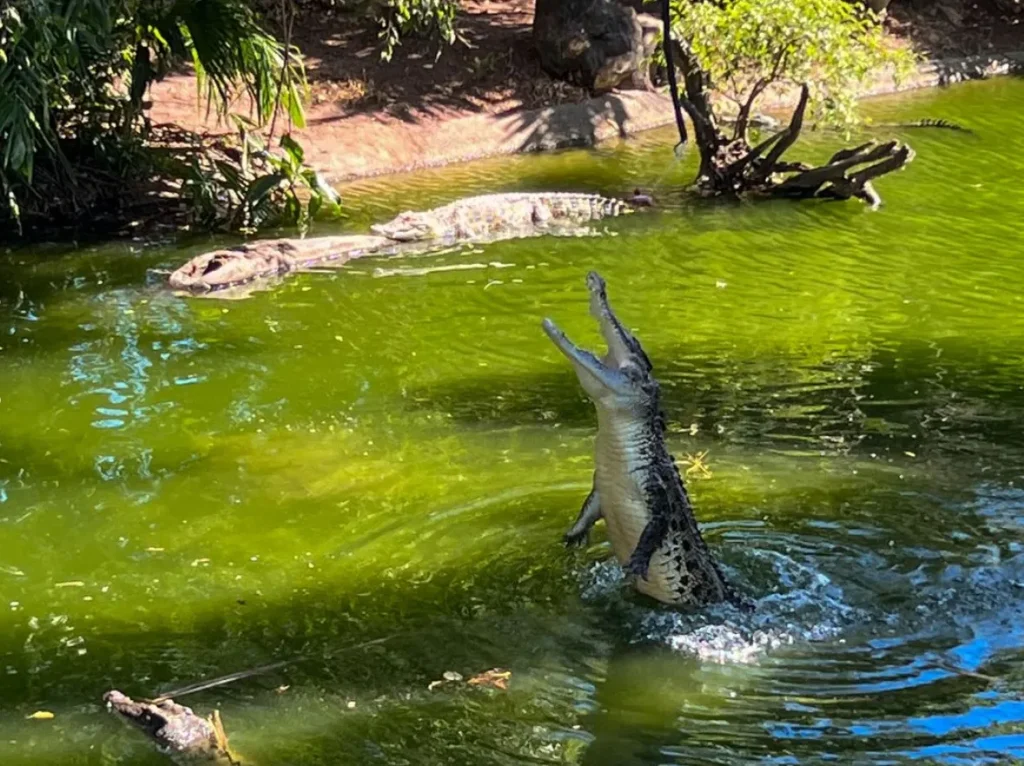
(367, 472)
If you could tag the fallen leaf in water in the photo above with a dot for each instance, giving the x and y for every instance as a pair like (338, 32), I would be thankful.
(496, 678)
(40, 715)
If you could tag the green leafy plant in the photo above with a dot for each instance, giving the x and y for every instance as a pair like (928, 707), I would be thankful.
(745, 46)
(428, 18)
(73, 76)
(245, 187)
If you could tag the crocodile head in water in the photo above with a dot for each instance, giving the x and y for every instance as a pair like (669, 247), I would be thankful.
(637, 488)
(410, 226)
(187, 737)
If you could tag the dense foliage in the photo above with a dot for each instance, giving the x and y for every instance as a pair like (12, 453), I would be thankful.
(241, 186)
(73, 75)
(744, 46)
(430, 18)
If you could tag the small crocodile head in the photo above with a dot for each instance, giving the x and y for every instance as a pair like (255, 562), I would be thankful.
(621, 381)
(410, 226)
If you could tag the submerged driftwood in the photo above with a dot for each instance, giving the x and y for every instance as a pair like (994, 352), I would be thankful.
(730, 165)
(839, 178)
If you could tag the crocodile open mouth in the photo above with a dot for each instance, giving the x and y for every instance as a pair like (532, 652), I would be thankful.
(623, 348)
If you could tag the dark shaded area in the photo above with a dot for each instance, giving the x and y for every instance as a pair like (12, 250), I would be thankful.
(943, 28)
(497, 67)
(118, 192)
(433, 623)
(897, 398)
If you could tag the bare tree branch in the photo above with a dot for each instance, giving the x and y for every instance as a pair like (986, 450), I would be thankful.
(756, 91)
(789, 135)
(666, 41)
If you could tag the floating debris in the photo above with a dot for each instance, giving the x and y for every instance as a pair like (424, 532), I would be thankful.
(697, 465)
(496, 678)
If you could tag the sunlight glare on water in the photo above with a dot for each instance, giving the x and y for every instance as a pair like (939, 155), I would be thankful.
(391, 452)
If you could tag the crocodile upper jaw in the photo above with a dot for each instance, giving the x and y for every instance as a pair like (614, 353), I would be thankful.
(586, 364)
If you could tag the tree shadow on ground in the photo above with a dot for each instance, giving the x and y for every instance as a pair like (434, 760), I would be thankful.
(496, 67)
(498, 70)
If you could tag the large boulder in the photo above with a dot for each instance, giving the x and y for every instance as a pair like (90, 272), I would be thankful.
(598, 44)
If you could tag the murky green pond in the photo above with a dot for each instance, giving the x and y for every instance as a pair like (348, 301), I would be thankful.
(382, 453)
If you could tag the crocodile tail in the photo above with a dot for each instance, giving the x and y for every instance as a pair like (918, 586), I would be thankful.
(939, 123)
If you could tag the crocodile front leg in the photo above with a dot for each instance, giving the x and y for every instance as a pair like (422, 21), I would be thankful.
(587, 517)
(651, 539)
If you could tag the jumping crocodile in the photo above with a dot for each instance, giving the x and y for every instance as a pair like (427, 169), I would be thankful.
(637, 488)
(176, 730)
(492, 217)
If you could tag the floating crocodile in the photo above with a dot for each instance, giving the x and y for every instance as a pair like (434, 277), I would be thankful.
(492, 217)
(485, 218)
(176, 730)
(637, 488)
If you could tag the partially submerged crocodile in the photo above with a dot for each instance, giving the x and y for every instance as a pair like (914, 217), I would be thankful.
(926, 123)
(637, 488)
(176, 730)
(492, 217)
(767, 122)
(485, 218)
